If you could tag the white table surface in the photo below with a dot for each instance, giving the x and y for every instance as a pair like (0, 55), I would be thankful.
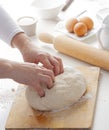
(8, 87)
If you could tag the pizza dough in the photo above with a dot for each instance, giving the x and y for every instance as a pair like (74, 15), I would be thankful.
(68, 88)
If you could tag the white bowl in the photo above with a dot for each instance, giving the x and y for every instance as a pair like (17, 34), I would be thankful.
(48, 9)
(28, 24)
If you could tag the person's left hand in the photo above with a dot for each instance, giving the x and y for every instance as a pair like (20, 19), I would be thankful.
(33, 54)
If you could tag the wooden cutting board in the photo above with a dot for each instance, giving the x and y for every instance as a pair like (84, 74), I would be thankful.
(79, 116)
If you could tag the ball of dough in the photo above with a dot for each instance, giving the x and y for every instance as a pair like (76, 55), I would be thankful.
(80, 29)
(70, 23)
(88, 21)
(68, 88)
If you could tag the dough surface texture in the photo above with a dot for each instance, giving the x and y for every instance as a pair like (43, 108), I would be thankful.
(68, 89)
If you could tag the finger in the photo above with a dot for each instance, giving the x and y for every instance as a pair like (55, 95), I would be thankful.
(49, 73)
(46, 80)
(46, 63)
(60, 63)
(40, 90)
(56, 65)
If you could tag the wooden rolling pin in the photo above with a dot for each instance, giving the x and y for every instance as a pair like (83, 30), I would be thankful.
(78, 50)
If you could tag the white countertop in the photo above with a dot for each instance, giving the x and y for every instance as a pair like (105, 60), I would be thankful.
(8, 87)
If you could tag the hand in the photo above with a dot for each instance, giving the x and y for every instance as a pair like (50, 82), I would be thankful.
(34, 55)
(32, 75)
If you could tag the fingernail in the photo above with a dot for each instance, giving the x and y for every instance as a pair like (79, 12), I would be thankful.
(49, 87)
(42, 94)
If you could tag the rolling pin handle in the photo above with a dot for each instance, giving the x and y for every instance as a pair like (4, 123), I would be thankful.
(46, 37)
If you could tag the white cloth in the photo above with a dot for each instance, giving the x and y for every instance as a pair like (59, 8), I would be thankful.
(8, 27)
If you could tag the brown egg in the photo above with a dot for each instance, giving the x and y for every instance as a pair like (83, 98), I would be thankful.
(70, 23)
(80, 29)
(88, 21)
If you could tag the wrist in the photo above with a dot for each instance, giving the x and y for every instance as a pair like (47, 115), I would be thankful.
(5, 68)
(20, 41)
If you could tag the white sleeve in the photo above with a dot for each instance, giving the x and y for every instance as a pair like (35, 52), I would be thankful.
(8, 27)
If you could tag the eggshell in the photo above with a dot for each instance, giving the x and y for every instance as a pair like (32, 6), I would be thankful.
(80, 29)
(88, 21)
(70, 23)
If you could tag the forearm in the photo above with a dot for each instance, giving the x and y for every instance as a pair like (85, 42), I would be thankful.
(12, 69)
(23, 43)
(9, 69)
(20, 41)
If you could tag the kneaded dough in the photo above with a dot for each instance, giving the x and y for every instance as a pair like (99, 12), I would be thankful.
(68, 88)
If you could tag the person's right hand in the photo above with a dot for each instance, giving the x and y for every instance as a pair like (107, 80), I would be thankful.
(32, 75)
